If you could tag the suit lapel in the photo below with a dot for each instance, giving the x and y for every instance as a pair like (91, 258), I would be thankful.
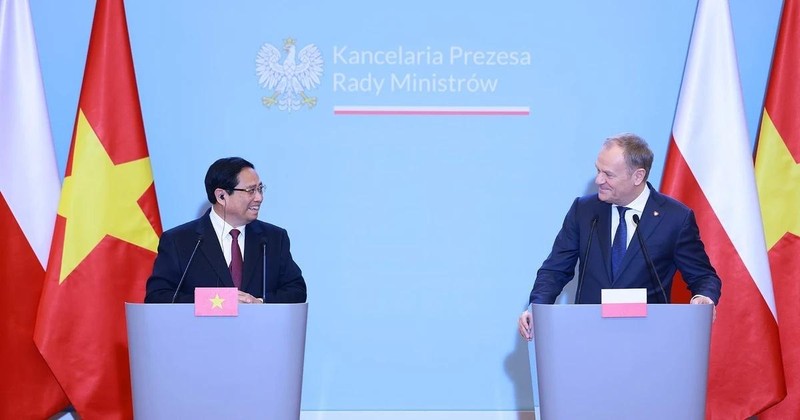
(648, 222)
(603, 236)
(252, 252)
(651, 217)
(213, 252)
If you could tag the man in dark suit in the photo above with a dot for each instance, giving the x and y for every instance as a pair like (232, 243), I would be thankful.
(227, 246)
(616, 259)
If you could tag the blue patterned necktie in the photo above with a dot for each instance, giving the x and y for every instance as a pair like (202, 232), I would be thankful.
(620, 242)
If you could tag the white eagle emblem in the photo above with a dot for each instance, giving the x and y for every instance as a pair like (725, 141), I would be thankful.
(290, 80)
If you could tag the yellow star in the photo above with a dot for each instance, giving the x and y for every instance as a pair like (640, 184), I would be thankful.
(100, 198)
(778, 180)
(216, 301)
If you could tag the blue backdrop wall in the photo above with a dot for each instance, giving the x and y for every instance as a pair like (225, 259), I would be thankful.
(419, 236)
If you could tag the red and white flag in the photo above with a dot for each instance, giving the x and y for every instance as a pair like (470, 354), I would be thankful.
(778, 178)
(710, 168)
(29, 189)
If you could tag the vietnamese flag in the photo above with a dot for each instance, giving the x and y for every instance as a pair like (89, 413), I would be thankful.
(778, 179)
(709, 167)
(106, 232)
(29, 188)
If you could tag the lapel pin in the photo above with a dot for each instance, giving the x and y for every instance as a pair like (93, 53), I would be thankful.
(655, 213)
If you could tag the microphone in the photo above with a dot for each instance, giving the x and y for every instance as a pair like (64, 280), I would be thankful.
(264, 271)
(186, 270)
(585, 259)
(648, 260)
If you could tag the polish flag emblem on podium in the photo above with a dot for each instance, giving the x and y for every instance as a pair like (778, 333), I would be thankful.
(623, 303)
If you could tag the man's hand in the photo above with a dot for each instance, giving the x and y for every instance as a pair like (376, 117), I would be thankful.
(245, 297)
(703, 300)
(526, 325)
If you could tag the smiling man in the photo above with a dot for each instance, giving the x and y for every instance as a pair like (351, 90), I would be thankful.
(599, 232)
(227, 246)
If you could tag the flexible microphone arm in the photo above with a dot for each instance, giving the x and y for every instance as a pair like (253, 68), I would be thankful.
(186, 270)
(647, 258)
(585, 260)
(264, 271)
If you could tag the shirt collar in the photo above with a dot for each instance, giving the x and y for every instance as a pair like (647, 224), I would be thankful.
(639, 202)
(221, 227)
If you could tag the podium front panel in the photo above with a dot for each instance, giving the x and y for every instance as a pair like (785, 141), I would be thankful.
(591, 367)
(244, 367)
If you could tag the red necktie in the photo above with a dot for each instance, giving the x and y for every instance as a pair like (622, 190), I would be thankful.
(236, 259)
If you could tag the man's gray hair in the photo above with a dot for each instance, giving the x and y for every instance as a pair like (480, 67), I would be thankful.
(636, 151)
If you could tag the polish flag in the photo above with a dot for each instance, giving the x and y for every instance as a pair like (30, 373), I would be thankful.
(709, 167)
(29, 190)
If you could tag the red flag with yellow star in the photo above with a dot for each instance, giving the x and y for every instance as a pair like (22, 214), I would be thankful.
(778, 180)
(106, 231)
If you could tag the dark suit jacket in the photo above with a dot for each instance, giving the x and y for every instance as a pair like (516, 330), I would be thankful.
(285, 282)
(671, 237)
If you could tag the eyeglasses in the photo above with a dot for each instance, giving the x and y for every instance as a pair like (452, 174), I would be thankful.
(251, 191)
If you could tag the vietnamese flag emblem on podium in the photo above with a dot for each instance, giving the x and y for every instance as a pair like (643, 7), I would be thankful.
(216, 301)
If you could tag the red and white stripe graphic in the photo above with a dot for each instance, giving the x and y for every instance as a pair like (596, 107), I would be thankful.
(431, 110)
(710, 168)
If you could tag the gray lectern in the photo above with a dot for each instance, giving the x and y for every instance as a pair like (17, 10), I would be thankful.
(244, 367)
(591, 367)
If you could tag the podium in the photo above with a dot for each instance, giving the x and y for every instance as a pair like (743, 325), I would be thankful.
(244, 367)
(654, 367)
